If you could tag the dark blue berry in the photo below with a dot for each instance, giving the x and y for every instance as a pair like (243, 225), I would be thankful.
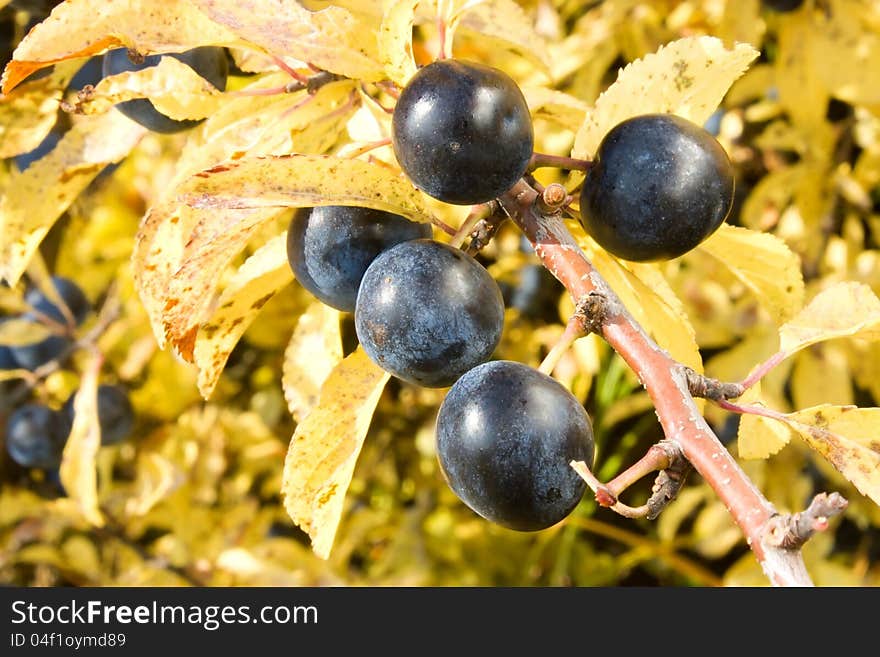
(659, 185)
(36, 435)
(506, 434)
(462, 131)
(329, 248)
(427, 312)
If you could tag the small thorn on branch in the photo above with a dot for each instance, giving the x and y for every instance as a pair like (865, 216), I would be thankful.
(791, 531)
(712, 389)
(670, 479)
(315, 82)
(485, 229)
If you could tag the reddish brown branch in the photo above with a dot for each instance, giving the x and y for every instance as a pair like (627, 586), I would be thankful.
(666, 382)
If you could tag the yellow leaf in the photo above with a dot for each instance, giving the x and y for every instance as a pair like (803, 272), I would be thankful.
(395, 41)
(304, 180)
(78, 471)
(821, 375)
(561, 108)
(333, 38)
(18, 331)
(157, 253)
(846, 53)
(156, 479)
(764, 264)
(687, 77)
(81, 28)
(27, 212)
(174, 88)
(846, 309)
(504, 25)
(315, 348)
(759, 437)
(741, 21)
(215, 240)
(255, 282)
(268, 125)
(28, 113)
(323, 451)
(848, 438)
(801, 91)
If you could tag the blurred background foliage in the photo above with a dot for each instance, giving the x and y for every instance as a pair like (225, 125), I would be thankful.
(193, 497)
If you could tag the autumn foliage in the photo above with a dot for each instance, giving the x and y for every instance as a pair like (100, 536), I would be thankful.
(268, 448)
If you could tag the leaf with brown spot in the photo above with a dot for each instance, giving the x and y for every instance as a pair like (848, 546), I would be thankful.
(333, 38)
(687, 77)
(304, 180)
(324, 449)
(157, 254)
(78, 470)
(215, 240)
(255, 282)
(847, 437)
(27, 211)
(81, 28)
(315, 348)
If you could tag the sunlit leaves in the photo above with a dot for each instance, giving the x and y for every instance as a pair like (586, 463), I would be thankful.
(315, 348)
(846, 309)
(504, 24)
(255, 282)
(28, 113)
(395, 41)
(688, 77)
(322, 454)
(333, 38)
(27, 212)
(304, 180)
(765, 264)
(660, 314)
(759, 436)
(174, 88)
(80, 28)
(78, 469)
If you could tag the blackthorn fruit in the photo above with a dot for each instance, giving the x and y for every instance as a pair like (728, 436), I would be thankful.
(783, 5)
(506, 434)
(659, 185)
(329, 248)
(35, 436)
(427, 312)
(462, 132)
(31, 356)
